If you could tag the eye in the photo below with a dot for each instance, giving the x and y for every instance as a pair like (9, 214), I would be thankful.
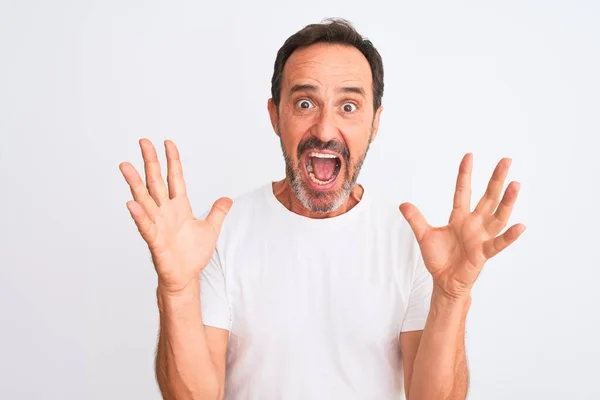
(349, 107)
(304, 104)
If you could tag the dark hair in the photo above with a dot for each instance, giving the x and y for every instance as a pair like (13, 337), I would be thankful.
(334, 31)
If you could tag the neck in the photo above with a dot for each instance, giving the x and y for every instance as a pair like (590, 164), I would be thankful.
(284, 192)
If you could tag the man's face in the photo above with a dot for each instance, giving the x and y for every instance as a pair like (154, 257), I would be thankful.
(325, 122)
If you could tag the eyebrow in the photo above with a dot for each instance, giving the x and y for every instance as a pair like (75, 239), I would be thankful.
(303, 88)
(313, 88)
(353, 89)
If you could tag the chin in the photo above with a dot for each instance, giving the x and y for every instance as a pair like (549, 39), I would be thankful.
(320, 201)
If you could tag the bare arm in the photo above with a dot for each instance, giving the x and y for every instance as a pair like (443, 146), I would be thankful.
(190, 358)
(454, 255)
(409, 344)
(435, 363)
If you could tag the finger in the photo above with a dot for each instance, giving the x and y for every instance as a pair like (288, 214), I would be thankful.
(415, 219)
(462, 193)
(490, 199)
(174, 171)
(138, 189)
(145, 226)
(218, 212)
(497, 244)
(499, 219)
(154, 181)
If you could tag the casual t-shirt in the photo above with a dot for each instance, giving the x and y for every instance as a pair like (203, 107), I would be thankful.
(314, 307)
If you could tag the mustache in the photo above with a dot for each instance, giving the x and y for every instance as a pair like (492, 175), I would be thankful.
(314, 143)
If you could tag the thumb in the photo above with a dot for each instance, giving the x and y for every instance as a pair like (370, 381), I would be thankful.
(415, 219)
(218, 212)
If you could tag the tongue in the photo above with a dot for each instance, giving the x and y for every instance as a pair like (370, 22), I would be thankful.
(323, 168)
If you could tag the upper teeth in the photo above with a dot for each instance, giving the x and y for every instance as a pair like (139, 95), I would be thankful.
(322, 155)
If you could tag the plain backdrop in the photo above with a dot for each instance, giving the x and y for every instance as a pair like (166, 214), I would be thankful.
(82, 81)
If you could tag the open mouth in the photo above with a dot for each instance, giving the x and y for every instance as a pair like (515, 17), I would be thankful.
(322, 169)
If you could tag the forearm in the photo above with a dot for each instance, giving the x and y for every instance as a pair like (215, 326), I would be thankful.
(184, 368)
(440, 367)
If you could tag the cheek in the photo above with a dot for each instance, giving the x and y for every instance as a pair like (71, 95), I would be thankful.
(290, 140)
(294, 123)
(356, 138)
(292, 131)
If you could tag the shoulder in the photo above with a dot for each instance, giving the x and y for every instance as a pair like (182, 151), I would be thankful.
(242, 203)
(251, 202)
(390, 226)
(247, 214)
(384, 211)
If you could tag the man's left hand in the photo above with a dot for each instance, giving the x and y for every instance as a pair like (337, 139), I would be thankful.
(455, 254)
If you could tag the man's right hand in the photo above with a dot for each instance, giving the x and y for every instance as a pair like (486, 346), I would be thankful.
(181, 245)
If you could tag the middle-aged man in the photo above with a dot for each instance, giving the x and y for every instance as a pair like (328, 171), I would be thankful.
(314, 288)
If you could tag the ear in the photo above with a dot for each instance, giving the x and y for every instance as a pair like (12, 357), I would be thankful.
(273, 115)
(376, 123)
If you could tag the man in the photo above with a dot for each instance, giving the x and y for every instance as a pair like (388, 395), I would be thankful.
(313, 288)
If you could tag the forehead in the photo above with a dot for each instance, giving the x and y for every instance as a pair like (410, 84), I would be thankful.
(327, 65)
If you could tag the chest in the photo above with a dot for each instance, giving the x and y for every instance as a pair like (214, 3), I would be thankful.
(286, 291)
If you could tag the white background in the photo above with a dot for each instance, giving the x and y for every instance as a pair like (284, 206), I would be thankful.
(81, 81)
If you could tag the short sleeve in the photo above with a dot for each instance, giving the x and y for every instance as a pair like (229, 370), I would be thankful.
(213, 295)
(419, 299)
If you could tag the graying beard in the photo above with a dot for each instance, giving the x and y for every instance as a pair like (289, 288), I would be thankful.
(303, 196)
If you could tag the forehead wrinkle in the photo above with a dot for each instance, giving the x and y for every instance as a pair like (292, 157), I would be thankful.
(335, 70)
(318, 67)
(343, 81)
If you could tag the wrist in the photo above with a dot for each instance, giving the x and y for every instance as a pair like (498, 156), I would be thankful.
(169, 299)
(442, 302)
(170, 289)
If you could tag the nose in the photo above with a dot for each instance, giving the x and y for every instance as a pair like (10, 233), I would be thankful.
(325, 127)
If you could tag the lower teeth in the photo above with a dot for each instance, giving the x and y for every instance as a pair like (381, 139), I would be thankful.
(320, 182)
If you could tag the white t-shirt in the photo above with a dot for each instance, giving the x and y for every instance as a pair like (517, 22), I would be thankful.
(314, 307)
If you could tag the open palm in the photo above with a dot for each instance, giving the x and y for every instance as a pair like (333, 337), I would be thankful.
(181, 245)
(455, 254)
